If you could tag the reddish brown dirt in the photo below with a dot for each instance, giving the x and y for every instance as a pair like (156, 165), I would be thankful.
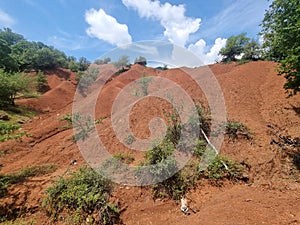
(253, 95)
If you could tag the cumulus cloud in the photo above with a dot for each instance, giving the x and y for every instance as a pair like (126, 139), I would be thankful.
(211, 56)
(5, 19)
(107, 28)
(177, 26)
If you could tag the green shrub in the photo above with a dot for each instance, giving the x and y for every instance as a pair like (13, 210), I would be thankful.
(124, 158)
(42, 82)
(236, 129)
(129, 139)
(83, 195)
(217, 170)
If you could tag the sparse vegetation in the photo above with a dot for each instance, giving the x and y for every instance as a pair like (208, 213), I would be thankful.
(124, 157)
(236, 129)
(142, 86)
(84, 195)
(21, 176)
(129, 139)
(42, 82)
(82, 124)
(86, 79)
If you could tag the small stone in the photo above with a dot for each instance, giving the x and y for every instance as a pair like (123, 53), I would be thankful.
(21, 121)
(4, 116)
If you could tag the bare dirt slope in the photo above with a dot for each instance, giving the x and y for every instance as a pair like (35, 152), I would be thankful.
(253, 95)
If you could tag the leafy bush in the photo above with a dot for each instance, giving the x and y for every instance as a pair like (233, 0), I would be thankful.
(217, 171)
(235, 129)
(84, 195)
(13, 84)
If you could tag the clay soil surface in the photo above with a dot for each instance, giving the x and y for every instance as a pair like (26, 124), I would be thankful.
(253, 94)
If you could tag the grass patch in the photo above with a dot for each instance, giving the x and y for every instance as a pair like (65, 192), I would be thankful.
(82, 197)
(124, 157)
(20, 222)
(236, 129)
(21, 176)
(11, 129)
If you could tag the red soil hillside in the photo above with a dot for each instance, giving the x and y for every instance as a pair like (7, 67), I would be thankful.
(253, 95)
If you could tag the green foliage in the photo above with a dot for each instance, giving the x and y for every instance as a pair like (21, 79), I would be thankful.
(236, 129)
(8, 132)
(13, 84)
(281, 34)
(234, 47)
(143, 84)
(19, 54)
(21, 176)
(124, 157)
(20, 222)
(84, 195)
(37, 56)
(123, 61)
(87, 79)
(252, 51)
(42, 82)
(129, 139)
(10, 37)
(82, 124)
(83, 64)
(102, 61)
(141, 61)
(217, 171)
(241, 45)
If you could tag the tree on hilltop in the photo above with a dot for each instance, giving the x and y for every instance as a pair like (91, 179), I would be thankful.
(281, 35)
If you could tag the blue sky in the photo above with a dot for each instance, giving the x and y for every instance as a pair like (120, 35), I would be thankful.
(90, 28)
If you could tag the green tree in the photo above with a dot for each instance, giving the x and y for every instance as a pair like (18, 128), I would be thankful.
(7, 62)
(141, 60)
(281, 34)
(13, 84)
(123, 61)
(252, 51)
(83, 64)
(234, 47)
(102, 61)
(10, 37)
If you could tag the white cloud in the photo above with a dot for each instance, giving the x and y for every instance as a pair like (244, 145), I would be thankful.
(107, 28)
(177, 26)
(5, 19)
(211, 56)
